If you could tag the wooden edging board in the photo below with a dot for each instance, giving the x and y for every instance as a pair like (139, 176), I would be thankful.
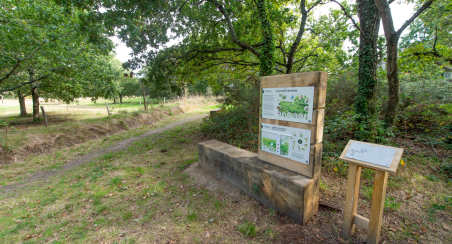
(318, 80)
(394, 164)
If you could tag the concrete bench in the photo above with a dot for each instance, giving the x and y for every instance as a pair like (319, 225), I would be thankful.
(295, 195)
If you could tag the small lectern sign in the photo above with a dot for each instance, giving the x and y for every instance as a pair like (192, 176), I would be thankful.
(289, 104)
(373, 154)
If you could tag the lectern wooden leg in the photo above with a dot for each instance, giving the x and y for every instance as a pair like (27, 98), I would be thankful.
(378, 203)
(351, 199)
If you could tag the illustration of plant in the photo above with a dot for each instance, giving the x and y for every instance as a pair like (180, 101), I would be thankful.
(298, 108)
(293, 146)
(299, 148)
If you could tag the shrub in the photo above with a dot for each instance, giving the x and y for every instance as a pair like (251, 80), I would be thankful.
(237, 123)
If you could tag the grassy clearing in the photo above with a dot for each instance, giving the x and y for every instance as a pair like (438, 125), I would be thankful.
(16, 172)
(138, 195)
(20, 138)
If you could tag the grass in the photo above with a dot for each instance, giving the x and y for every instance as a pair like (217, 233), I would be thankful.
(248, 229)
(22, 138)
(12, 173)
(123, 197)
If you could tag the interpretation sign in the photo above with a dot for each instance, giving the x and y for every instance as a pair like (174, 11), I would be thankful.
(289, 104)
(288, 142)
(373, 154)
(291, 118)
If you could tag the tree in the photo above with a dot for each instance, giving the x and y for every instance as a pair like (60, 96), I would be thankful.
(429, 40)
(239, 33)
(51, 50)
(369, 23)
(392, 39)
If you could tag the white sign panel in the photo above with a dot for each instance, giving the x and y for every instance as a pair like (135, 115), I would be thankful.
(290, 104)
(288, 142)
(373, 154)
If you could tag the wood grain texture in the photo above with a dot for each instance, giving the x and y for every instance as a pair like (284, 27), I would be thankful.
(309, 170)
(351, 199)
(361, 221)
(317, 79)
(392, 169)
(378, 203)
(316, 128)
(290, 193)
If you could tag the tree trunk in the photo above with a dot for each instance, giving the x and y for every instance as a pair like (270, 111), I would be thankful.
(23, 109)
(296, 43)
(392, 39)
(393, 81)
(369, 20)
(35, 98)
(144, 96)
(267, 60)
(114, 100)
(120, 98)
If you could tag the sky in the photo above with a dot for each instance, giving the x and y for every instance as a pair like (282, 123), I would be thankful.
(400, 13)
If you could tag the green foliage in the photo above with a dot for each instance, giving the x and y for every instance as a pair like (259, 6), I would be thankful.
(237, 123)
(427, 45)
(267, 60)
(54, 49)
(392, 204)
(447, 170)
(191, 216)
(247, 228)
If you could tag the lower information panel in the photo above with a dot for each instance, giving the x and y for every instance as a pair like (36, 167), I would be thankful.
(289, 142)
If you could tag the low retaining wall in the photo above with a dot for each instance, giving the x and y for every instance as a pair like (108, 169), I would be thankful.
(293, 194)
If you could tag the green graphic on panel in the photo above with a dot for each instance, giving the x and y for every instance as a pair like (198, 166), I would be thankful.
(285, 145)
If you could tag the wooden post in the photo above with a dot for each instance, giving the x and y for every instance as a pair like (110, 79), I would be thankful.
(107, 108)
(351, 199)
(44, 115)
(378, 204)
(144, 97)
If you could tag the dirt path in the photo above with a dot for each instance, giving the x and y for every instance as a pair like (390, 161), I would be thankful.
(44, 175)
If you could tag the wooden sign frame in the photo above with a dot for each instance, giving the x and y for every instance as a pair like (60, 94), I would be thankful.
(318, 80)
(394, 164)
(351, 218)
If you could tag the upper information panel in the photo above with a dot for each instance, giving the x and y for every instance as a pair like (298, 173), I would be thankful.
(290, 104)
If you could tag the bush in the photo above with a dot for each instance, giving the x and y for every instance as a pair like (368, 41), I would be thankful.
(237, 123)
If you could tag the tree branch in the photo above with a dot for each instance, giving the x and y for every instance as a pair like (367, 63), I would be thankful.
(415, 15)
(350, 17)
(31, 82)
(234, 37)
(18, 61)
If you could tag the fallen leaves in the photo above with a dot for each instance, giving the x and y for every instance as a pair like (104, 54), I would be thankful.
(32, 235)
